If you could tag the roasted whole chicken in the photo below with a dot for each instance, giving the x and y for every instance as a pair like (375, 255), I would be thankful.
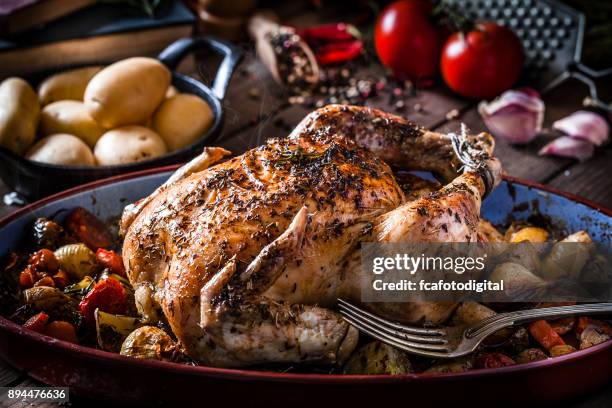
(245, 259)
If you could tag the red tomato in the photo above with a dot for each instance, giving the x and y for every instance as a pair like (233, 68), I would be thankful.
(408, 42)
(493, 360)
(44, 260)
(111, 260)
(482, 63)
(107, 295)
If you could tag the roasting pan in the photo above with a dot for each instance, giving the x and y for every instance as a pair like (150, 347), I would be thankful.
(102, 375)
(32, 180)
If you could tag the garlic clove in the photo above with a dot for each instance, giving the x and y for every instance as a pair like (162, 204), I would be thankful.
(515, 116)
(584, 125)
(566, 146)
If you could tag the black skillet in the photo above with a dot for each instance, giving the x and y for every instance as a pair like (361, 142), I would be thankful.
(33, 180)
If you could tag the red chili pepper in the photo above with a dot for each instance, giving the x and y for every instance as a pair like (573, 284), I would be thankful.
(333, 43)
(107, 295)
(111, 260)
(37, 323)
(338, 53)
(87, 228)
(327, 33)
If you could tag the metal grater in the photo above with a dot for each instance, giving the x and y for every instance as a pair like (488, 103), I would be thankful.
(552, 35)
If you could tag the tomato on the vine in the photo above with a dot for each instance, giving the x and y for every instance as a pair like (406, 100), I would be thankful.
(408, 42)
(483, 62)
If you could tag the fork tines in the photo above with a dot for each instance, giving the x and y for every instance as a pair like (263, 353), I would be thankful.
(422, 341)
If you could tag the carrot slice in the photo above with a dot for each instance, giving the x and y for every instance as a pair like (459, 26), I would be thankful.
(62, 330)
(545, 334)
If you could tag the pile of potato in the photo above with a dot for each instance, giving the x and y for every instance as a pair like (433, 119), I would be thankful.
(123, 113)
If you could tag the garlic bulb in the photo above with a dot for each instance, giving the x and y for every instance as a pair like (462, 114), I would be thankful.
(515, 116)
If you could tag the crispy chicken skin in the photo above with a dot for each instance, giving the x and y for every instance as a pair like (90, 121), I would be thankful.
(245, 259)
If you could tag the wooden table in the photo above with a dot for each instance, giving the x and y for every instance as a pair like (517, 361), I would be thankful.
(256, 109)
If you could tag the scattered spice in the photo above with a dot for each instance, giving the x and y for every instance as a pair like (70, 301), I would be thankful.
(294, 67)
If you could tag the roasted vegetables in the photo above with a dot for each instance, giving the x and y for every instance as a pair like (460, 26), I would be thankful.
(492, 360)
(530, 234)
(47, 234)
(378, 358)
(78, 291)
(545, 334)
(457, 365)
(37, 323)
(568, 257)
(107, 295)
(88, 229)
(77, 260)
(471, 313)
(62, 330)
(111, 329)
(46, 298)
(111, 260)
(149, 342)
(529, 355)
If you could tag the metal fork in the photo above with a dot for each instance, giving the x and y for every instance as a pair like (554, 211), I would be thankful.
(451, 342)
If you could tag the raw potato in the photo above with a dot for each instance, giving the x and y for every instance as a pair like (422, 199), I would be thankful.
(70, 117)
(182, 119)
(127, 92)
(62, 149)
(19, 113)
(66, 85)
(128, 144)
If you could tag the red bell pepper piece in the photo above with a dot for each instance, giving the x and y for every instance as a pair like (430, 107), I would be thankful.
(111, 260)
(37, 323)
(87, 228)
(107, 295)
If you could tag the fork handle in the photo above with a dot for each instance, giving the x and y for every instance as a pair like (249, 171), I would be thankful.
(525, 316)
(503, 320)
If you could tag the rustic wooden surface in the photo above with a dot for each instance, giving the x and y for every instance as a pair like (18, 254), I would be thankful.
(251, 120)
